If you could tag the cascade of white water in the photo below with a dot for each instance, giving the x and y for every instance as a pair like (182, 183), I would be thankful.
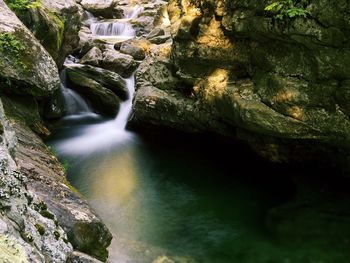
(133, 12)
(112, 29)
(101, 136)
(74, 103)
(117, 27)
(89, 18)
(125, 109)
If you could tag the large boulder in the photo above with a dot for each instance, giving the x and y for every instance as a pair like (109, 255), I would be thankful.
(134, 49)
(46, 179)
(25, 67)
(284, 83)
(103, 100)
(93, 57)
(56, 24)
(108, 79)
(104, 8)
(120, 63)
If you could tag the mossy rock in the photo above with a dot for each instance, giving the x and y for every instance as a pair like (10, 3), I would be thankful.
(25, 68)
(86, 237)
(56, 25)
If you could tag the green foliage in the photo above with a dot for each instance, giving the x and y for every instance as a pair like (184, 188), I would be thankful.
(21, 5)
(65, 165)
(287, 9)
(10, 45)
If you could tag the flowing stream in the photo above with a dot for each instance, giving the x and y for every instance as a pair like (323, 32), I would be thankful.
(186, 197)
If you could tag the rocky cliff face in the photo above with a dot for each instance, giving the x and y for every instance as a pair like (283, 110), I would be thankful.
(236, 70)
(42, 219)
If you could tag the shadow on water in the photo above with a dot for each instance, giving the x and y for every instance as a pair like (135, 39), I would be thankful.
(190, 197)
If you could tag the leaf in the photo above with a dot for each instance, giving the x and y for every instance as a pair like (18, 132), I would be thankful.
(271, 6)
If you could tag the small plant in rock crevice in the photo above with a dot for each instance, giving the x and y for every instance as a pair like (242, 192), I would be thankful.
(284, 9)
(9, 44)
(21, 5)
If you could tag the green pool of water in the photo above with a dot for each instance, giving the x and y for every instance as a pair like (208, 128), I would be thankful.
(191, 199)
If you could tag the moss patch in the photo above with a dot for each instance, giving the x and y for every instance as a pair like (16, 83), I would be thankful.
(42, 209)
(40, 228)
(50, 31)
(21, 5)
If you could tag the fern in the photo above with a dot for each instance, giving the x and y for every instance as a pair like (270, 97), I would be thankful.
(287, 9)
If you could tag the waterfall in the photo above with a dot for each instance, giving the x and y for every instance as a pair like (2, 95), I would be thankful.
(74, 103)
(89, 18)
(112, 29)
(93, 137)
(133, 12)
(116, 27)
(125, 109)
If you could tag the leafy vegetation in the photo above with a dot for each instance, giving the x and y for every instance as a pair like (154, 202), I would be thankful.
(21, 5)
(10, 45)
(65, 165)
(287, 9)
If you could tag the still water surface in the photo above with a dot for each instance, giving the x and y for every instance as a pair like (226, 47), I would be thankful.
(190, 198)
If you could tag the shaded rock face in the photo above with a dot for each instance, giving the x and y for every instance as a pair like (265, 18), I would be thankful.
(42, 218)
(281, 81)
(28, 230)
(55, 23)
(18, 50)
(45, 179)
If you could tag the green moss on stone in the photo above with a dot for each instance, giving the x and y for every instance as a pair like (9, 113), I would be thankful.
(42, 209)
(40, 228)
(47, 214)
(51, 32)
(57, 234)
